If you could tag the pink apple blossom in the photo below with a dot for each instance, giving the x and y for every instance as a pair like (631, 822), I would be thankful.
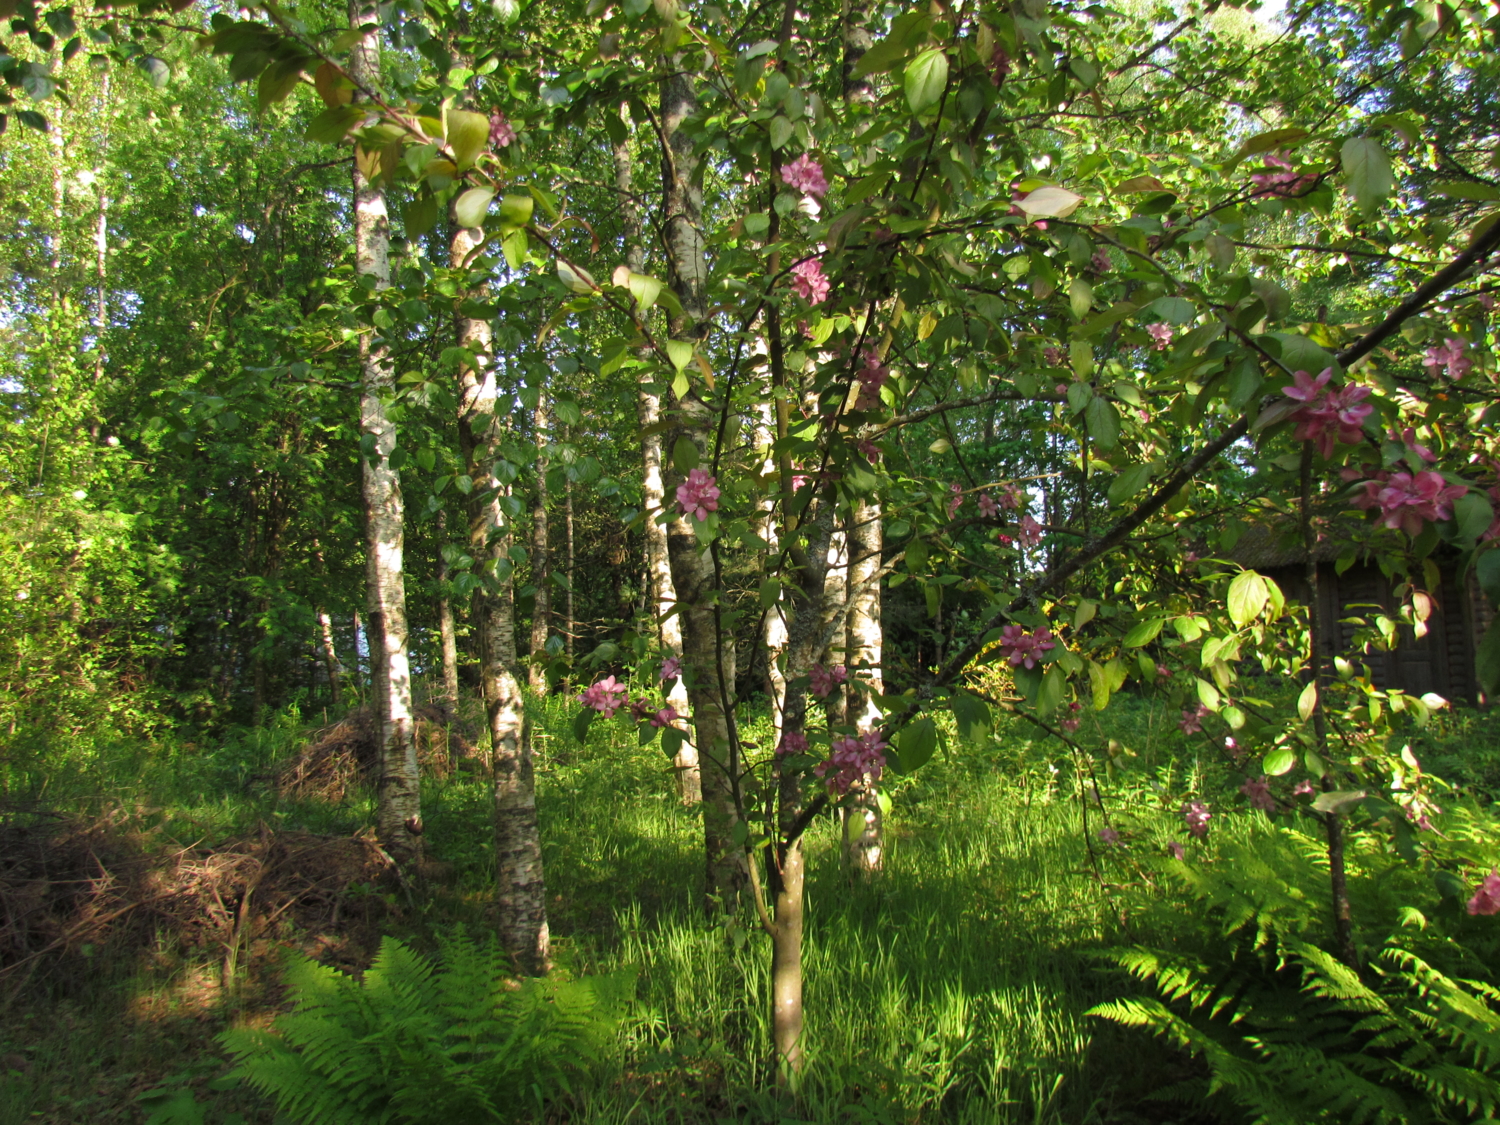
(792, 742)
(1303, 788)
(1161, 335)
(1019, 647)
(1486, 899)
(852, 759)
(1451, 356)
(1258, 793)
(1109, 836)
(1407, 501)
(606, 696)
(1196, 816)
(871, 451)
(987, 506)
(671, 668)
(1031, 531)
(872, 377)
(1408, 438)
(698, 495)
(664, 717)
(1176, 851)
(955, 498)
(502, 134)
(1325, 415)
(1004, 540)
(1010, 498)
(825, 679)
(809, 283)
(1070, 722)
(1192, 719)
(805, 175)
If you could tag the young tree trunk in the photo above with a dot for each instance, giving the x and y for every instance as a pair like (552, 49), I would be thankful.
(541, 562)
(330, 658)
(447, 631)
(399, 820)
(863, 846)
(661, 593)
(101, 236)
(520, 888)
(773, 629)
(708, 655)
(568, 572)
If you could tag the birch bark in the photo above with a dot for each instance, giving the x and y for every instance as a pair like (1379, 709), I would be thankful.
(520, 886)
(541, 562)
(399, 821)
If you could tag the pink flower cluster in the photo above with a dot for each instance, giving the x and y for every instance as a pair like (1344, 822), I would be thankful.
(1195, 815)
(1408, 438)
(671, 668)
(1280, 183)
(1161, 335)
(606, 696)
(955, 498)
(1109, 836)
(852, 759)
(1451, 356)
(1031, 531)
(1010, 498)
(1101, 261)
(1192, 719)
(1258, 793)
(1326, 416)
(1408, 500)
(792, 742)
(664, 717)
(698, 495)
(824, 680)
(1486, 899)
(1020, 647)
(805, 175)
(1069, 723)
(502, 134)
(809, 283)
(987, 506)
(872, 377)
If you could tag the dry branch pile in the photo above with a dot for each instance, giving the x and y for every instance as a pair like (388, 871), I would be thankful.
(75, 888)
(344, 755)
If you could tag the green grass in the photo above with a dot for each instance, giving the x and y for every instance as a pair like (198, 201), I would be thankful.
(951, 987)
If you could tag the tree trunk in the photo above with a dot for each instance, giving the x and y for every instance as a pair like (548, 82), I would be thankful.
(707, 655)
(773, 630)
(520, 888)
(330, 658)
(571, 624)
(661, 593)
(447, 632)
(863, 846)
(399, 821)
(788, 869)
(101, 238)
(541, 563)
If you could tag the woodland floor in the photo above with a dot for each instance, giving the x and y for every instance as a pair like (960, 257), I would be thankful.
(952, 987)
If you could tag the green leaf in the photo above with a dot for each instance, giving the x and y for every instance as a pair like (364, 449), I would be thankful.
(672, 740)
(581, 723)
(1080, 297)
(926, 79)
(1339, 801)
(1487, 568)
(1474, 513)
(1307, 701)
(1143, 632)
(1278, 761)
(781, 131)
(916, 744)
(468, 136)
(1128, 482)
(1174, 310)
(1475, 192)
(1367, 172)
(1103, 422)
(1099, 685)
(684, 455)
(1247, 597)
(644, 288)
(1049, 202)
(333, 124)
(470, 208)
(972, 716)
(680, 352)
(515, 210)
(1054, 686)
(1487, 660)
(770, 592)
(1208, 695)
(1268, 142)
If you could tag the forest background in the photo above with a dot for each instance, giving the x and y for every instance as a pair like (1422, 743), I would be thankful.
(727, 515)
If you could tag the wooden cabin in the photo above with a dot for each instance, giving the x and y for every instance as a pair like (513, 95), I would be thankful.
(1441, 662)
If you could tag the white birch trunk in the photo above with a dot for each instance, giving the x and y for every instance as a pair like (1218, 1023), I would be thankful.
(864, 845)
(399, 821)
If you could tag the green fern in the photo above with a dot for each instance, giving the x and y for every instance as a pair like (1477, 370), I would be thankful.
(1289, 1034)
(417, 1042)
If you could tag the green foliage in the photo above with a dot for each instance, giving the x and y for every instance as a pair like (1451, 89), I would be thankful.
(1290, 1034)
(417, 1042)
